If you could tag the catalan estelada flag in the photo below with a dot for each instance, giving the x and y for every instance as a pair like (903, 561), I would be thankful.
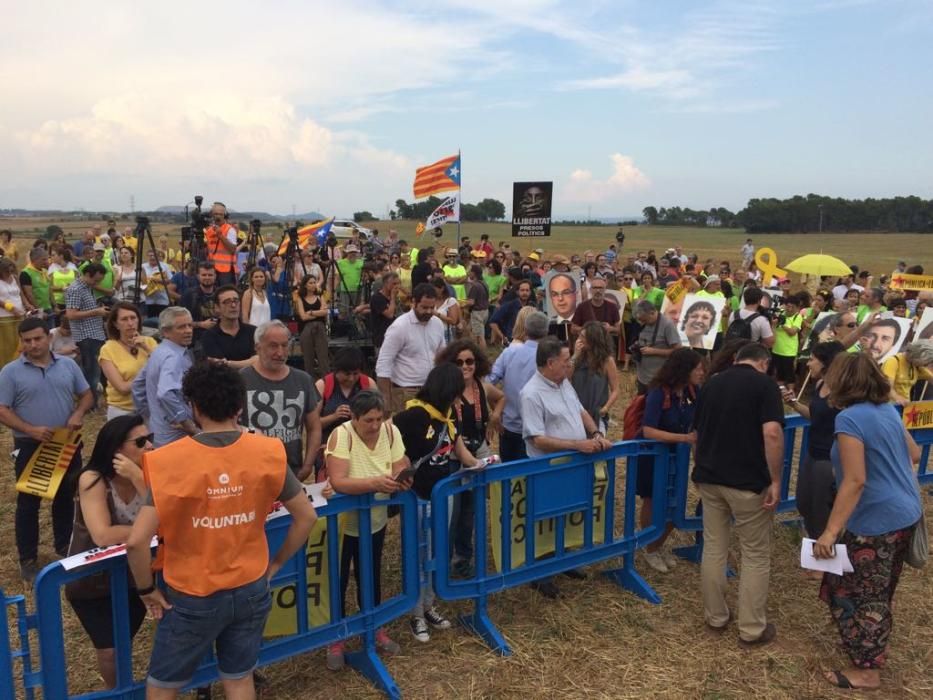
(442, 176)
(311, 235)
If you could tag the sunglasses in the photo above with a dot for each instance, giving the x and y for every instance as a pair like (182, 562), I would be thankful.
(469, 362)
(141, 441)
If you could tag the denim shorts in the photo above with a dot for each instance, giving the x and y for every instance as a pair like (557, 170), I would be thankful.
(232, 618)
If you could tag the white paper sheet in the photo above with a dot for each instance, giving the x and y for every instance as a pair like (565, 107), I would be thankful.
(316, 493)
(839, 564)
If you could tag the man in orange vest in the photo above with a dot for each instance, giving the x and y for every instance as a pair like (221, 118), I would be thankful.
(215, 557)
(221, 242)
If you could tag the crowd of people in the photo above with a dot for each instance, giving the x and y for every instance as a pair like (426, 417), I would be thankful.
(221, 390)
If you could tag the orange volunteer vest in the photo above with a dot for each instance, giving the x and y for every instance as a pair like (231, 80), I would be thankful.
(222, 259)
(212, 504)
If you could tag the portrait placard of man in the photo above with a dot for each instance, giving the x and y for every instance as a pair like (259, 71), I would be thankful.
(560, 299)
(884, 338)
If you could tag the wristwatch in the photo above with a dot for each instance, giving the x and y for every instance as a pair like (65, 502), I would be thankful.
(147, 590)
(595, 433)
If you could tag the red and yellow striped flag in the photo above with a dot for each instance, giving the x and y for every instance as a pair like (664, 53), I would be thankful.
(442, 176)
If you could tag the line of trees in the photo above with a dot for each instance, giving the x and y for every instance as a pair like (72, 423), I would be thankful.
(810, 214)
(486, 210)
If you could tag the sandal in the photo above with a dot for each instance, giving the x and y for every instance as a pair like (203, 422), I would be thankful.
(842, 681)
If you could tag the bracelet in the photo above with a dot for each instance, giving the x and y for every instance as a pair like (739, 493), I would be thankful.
(146, 591)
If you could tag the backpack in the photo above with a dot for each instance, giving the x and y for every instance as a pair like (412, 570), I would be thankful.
(741, 327)
(633, 417)
(330, 383)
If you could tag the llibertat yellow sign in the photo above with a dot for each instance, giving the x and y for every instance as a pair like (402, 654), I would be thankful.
(545, 529)
(283, 618)
(911, 283)
(46, 468)
(918, 415)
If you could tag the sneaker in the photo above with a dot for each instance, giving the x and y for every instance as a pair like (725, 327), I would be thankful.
(385, 643)
(461, 568)
(28, 570)
(656, 562)
(419, 629)
(670, 559)
(335, 658)
(203, 693)
(435, 619)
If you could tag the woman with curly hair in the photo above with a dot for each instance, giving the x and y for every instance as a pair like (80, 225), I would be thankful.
(595, 378)
(876, 511)
(477, 422)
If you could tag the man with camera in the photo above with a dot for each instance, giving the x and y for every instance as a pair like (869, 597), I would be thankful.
(221, 242)
(657, 339)
(87, 321)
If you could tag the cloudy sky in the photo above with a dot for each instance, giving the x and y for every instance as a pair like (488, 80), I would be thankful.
(332, 105)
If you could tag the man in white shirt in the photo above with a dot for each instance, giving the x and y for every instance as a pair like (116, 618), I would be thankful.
(758, 325)
(408, 350)
(848, 282)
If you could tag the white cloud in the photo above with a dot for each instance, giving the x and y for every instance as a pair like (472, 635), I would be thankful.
(626, 178)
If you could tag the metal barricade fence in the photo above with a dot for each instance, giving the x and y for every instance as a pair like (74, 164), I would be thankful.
(52, 677)
(567, 499)
(924, 439)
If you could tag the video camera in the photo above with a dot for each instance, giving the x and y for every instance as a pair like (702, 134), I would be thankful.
(198, 222)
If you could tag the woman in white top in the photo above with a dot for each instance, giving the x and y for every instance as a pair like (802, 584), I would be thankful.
(254, 307)
(448, 310)
(125, 282)
(12, 310)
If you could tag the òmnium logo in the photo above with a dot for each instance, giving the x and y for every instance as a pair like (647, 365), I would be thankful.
(225, 490)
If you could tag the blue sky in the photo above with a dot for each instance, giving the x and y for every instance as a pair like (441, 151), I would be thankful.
(331, 106)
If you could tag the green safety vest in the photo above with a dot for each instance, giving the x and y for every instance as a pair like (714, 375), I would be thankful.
(39, 281)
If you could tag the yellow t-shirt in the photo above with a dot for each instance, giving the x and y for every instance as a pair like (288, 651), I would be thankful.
(366, 463)
(128, 366)
(904, 375)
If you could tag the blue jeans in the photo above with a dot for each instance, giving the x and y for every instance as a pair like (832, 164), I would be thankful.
(233, 618)
(90, 364)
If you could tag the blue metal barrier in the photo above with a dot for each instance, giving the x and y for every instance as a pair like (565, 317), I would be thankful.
(53, 676)
(558, 494)
(924, 439)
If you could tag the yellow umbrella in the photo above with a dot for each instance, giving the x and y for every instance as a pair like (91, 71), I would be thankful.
(819, 264)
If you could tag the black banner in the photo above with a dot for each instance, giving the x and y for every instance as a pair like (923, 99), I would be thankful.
(531, 208)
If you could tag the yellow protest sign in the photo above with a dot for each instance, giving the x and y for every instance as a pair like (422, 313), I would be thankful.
(918, 415)
(911, 283)
(283, 618)
(46, 468)
(767, 262)
(676, 291)
(544, 537)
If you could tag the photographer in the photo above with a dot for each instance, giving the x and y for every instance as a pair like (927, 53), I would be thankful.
(87, 321)
(221, 241)
(656, 341)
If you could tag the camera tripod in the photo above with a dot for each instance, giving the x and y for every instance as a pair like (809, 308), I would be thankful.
(254, 244)
(144, 232)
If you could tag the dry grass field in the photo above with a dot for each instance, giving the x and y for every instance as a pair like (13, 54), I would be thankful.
(876, 252)
(597, 641)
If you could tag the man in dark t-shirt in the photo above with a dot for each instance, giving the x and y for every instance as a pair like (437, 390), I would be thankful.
(382, 307)
(596, 308)
(230, 341)
(423, 272)
(739, 457)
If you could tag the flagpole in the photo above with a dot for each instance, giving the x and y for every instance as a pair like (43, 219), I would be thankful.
(459, 197)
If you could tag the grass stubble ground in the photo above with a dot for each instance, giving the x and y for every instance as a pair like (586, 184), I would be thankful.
(597, 641)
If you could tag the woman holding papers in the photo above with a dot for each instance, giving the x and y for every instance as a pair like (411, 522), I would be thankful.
(364, 455)
(816, 483)
(110, 492)
(876, 510)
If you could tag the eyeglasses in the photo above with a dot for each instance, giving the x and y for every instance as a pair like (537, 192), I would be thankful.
(141, 441)
(230, 302)
(469, 362)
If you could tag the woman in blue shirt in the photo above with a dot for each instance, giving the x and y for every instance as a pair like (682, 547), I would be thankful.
(876, 509)
(669, 407)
